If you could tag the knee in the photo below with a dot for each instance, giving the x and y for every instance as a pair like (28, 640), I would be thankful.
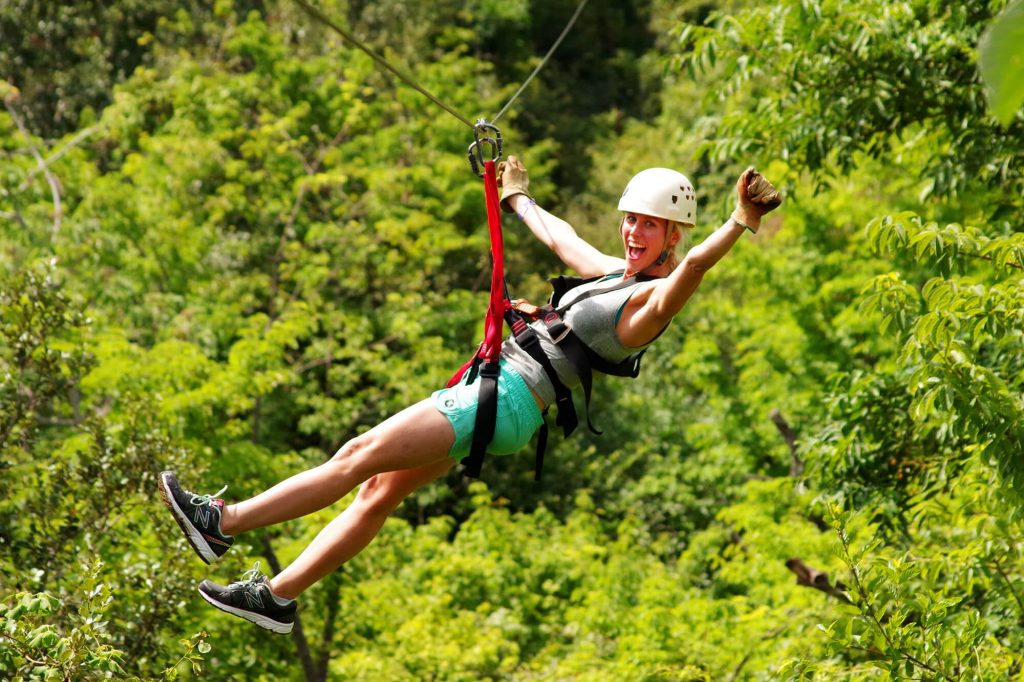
(353, 456)
(379, 496)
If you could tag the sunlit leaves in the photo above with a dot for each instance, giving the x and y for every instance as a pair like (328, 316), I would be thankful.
(818, 83)
(1001, 62)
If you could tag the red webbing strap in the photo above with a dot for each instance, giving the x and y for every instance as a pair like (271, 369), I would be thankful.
(490, 348)
(484, 366)
(493, 325)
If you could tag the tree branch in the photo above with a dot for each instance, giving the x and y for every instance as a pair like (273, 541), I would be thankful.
(1009, 584)
(57, 156)
(796, 465)
(298, 635)
(13, 215)
(9, 101)
(333, 607)
(818, 580)
(1008, 263)
(750, 652)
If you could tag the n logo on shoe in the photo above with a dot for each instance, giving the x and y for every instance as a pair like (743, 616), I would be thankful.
(254, 599)
(203, 517)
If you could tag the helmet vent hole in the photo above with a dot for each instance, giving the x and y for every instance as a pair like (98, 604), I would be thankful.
(674, 198)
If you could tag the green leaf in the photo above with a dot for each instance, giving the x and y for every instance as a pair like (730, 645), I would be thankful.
(1002, 62)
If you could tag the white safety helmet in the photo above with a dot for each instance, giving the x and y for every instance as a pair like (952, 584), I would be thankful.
(662, 193)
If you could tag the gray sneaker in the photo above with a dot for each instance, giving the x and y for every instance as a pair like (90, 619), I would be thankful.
(198, 516)
(251, 598)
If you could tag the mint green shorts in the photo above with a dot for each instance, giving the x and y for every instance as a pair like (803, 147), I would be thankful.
(518, 414)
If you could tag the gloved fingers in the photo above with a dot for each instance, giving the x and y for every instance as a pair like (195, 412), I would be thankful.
(757, 191)
(742, 183)
(513, 180)
(762, 193)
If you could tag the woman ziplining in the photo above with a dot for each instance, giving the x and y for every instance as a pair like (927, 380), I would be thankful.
(497, 401)
(625, 304)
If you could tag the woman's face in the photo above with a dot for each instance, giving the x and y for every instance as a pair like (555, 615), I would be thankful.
(643, 238)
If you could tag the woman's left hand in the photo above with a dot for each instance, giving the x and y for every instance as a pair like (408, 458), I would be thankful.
(756, 196)
(756, 192)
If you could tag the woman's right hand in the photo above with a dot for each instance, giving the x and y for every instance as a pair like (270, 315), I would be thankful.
(512, 179)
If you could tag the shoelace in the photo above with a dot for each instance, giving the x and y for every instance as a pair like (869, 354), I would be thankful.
(203, 500)
(251, 578)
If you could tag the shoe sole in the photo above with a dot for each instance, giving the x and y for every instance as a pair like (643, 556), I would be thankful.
(262, 621)
(194, 537)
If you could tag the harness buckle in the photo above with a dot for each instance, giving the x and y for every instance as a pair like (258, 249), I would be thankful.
(524, 307)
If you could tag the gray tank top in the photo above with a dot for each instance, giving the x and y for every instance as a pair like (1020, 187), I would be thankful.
(593, 321)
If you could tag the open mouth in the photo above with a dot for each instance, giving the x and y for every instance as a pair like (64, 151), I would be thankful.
(634, 252)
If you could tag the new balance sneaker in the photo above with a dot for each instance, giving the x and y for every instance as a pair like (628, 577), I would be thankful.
(198, 516)
(251, 598)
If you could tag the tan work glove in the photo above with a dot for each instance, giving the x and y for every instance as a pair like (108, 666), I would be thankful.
(512, 179)
(756, 196)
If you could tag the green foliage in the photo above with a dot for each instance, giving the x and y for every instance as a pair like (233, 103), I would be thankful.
(43, 638)
(65, 57)
(952, 391)
(917, 615)
(523, 596)
(34, 649)
(1001, 64)
(267, 246)
(864, 78)
(36, 365)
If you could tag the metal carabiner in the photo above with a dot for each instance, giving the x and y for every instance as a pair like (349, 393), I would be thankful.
(475, 151)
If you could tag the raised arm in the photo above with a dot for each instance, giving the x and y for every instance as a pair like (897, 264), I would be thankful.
(755, 197)
(552, 231)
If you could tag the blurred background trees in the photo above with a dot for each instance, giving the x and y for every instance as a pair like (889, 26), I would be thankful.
(230, 242)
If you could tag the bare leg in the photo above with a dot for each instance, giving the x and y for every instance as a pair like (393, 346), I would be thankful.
(416, 437)
(349, 533)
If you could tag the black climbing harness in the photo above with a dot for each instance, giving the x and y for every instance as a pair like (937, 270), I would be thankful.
(583, 359)
(485, 364)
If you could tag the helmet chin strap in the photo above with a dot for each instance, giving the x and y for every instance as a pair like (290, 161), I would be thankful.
(662, 257)
(658, 263)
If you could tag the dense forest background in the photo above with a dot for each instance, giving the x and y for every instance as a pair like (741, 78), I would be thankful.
(229, 242)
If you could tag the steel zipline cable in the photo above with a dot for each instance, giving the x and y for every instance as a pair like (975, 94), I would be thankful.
(558, 41)
(411, 82)
(408, 80)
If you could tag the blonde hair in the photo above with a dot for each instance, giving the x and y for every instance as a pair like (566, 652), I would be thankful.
(684, 239)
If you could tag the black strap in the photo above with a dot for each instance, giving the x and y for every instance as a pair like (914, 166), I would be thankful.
(542, 446)
(563, 284)
(582, 358)
(486, 415)
(630, 367)
(527, 339)
(575, 353)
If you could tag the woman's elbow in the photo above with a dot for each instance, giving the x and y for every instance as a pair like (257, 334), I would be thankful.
(696, 263)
